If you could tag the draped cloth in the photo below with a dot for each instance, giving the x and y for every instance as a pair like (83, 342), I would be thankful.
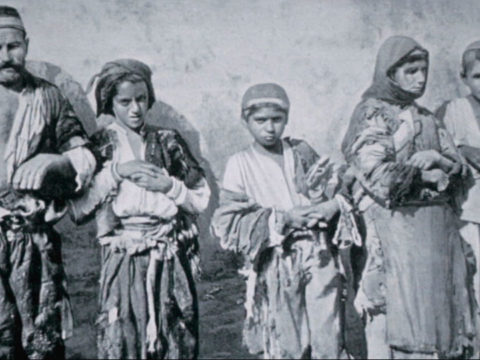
(416, 272)
(287, 285)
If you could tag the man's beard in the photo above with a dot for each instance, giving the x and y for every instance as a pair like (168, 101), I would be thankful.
(11, 78)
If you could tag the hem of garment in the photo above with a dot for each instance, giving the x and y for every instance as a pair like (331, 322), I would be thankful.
(432, 349)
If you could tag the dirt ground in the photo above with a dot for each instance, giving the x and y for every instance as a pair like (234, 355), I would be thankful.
(220, 290)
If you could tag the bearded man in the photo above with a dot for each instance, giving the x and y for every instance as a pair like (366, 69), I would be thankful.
(43, 161)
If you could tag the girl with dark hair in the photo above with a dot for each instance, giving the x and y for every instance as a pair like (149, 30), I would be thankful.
(145, 197)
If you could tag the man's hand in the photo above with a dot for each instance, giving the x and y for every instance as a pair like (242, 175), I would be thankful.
(425, 160)
(30, 175)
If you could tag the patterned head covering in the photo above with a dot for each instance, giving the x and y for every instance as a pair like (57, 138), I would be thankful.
(394, 52)
(10, 18)
(109, 76)
(470, 54)
(268, 93)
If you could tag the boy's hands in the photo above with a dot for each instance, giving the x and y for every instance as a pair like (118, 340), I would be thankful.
(312, 215)
(146, 175)
(297, 217)
(324, 211)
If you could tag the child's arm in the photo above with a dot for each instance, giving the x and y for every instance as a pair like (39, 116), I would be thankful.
(194, 200)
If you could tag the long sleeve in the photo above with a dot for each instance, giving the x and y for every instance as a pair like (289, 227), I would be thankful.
(373, 155)
(83, 162)
(240, 222)
(241, 225)
(101, 187)
(69, 132)
(193, 200)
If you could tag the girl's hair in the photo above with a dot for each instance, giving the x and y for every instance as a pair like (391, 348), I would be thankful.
(108, 88)
(468, 58)
(415, 55)
(252, 109)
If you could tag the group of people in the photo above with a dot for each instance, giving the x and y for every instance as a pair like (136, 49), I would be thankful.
(372, 258)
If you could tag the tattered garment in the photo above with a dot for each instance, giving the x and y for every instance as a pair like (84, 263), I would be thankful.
(286, 285)
(148, 304)
(35, 311)
(417, 270)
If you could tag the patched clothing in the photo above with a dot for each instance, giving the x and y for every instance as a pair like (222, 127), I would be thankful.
(287, 284)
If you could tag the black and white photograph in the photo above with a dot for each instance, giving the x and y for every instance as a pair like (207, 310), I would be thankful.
(239, 179)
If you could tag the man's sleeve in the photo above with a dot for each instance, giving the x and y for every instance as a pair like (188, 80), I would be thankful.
(71, 139)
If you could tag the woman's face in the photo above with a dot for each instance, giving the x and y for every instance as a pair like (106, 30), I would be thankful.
(412, 76)
(130, 104)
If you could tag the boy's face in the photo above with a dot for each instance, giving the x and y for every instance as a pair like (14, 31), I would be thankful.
(267, 125)
(472, 79)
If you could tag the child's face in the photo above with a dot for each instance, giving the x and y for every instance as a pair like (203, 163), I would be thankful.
(131, 103)
(472, 79)
(267, 125)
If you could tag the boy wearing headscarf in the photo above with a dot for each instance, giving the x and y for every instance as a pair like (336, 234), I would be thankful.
(43, 161)
(462, 119)
(282, 209)
(145, 197)
(414, 290)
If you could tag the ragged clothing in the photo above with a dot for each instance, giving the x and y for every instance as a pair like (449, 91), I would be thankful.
(416, 273)
(148, 303)
(286, 284)
(35, 314)
(462, 119)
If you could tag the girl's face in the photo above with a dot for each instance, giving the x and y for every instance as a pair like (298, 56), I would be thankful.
(130, 104)
(267, 125)
(412, 76)
(472, 79)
